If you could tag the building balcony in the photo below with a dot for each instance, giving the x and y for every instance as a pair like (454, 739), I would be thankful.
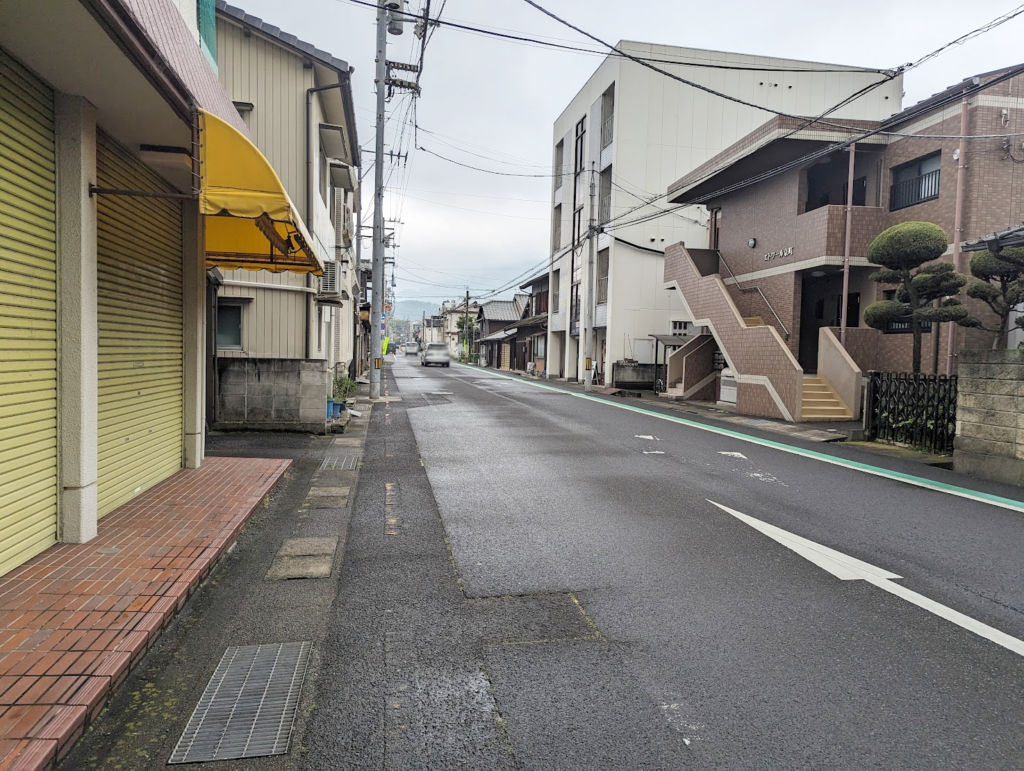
(822, 232)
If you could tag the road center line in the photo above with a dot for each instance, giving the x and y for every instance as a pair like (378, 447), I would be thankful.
(897, 476)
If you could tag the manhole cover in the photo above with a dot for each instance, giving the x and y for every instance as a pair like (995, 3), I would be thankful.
(340, 463)
(249, 705)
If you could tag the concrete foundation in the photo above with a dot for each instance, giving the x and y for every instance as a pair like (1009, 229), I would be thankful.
(990, 416)
(272, 394)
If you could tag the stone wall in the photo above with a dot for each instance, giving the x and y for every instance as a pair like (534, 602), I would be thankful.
(272, 394)
(990, 416)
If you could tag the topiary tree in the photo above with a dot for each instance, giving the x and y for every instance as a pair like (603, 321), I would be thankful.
(904, 251)
(1001, 287)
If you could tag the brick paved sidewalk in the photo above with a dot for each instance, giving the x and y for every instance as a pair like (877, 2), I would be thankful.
(75, 619)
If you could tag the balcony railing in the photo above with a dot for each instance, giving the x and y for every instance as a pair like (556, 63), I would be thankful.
(913, 191)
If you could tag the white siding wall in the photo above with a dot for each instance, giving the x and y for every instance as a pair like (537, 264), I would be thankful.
(272, 324)
(662, 130)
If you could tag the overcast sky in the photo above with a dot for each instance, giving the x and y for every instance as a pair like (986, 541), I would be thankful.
(492, 103)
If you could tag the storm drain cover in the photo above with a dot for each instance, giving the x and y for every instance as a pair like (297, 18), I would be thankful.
(340, 463)
(249, 705)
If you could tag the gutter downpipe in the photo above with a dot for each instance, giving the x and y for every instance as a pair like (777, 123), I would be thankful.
(309, 190)
(846, 248)
(958, 227)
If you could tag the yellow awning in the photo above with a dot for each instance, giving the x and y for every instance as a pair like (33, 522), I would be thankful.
(251, 223)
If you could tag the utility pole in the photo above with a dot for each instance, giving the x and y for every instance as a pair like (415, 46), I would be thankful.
(465, 326)
(588, 313)
(377, 275)
(958, 227)
(845, 302)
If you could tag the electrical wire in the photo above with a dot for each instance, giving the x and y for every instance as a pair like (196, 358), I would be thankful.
(522, 38)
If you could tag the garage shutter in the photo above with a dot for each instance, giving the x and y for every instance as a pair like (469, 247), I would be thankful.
(28, 317)
(140, 319)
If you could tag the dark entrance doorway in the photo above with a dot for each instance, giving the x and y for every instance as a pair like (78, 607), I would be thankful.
(821, 304)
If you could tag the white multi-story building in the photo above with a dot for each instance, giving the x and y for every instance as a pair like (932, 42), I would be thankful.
(631, 132)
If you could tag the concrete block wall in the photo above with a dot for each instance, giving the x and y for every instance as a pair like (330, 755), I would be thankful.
(272, 394)
(990, 416)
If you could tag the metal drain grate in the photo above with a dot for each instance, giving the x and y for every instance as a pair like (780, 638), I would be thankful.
(249, 705)
(340, 463)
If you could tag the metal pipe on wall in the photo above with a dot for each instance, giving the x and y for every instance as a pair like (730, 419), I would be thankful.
(846, 248)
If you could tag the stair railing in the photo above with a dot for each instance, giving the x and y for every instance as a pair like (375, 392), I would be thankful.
(754, 288)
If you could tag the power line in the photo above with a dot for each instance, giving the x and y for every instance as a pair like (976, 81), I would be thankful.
(437, 22)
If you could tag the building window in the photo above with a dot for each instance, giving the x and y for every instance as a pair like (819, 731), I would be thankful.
(602, 276)
(206, 20)
(577, 226)
(580, 150)
(604, 197)
(556, 229)
(559, 169)
(229, 326)
(325, 172)
(915, 182)
(554, 290)
(680, 328)
(540, 346)
(607, 116)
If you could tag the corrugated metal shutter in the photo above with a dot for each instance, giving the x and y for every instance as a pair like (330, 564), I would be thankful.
(140, 319)
(28, 316)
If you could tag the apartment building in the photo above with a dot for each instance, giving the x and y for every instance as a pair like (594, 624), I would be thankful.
(766, 286)
(628, 134)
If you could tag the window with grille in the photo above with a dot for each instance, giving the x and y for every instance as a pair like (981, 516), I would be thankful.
(607, 116)
(602, 276)
(604, 208)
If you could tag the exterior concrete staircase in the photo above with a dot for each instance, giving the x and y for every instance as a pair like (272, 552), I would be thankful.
(821, 402)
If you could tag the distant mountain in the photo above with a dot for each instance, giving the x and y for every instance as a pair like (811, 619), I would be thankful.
(414, 309)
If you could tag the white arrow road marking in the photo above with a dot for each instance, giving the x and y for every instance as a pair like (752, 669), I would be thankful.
(847, 568)
(734, 455)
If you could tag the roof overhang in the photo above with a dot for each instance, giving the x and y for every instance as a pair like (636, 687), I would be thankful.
(779, 141)
(996, 242)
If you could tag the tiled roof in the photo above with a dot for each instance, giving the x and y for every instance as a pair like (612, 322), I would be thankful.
(500, 310)
(164, 25)
(270, 30)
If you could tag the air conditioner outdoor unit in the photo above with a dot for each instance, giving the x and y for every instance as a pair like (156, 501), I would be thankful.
(329, 281)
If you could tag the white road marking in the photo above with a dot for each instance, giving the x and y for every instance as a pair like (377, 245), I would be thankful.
(653, 452)
(646, 436)
(847, 568)
(734, 455)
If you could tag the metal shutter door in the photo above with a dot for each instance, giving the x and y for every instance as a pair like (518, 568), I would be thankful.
(28, 317)
(140, 319)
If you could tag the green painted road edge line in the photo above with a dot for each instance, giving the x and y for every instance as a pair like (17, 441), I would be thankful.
(898, 476)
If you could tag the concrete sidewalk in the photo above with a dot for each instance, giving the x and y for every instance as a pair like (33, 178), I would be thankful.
(75, 619)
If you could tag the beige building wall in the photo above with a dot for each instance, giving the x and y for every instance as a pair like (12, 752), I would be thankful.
(274, 80)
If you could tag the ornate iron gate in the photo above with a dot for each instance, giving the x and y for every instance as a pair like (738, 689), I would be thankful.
(916, 410)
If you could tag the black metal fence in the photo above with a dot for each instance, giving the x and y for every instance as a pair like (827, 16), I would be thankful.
(915, 410)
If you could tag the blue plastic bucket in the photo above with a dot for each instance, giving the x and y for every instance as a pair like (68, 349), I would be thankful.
(330, 408)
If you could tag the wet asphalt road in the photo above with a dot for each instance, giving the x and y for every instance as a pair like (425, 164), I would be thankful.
(716, 647)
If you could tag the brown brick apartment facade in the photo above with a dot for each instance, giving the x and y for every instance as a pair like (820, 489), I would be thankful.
(780, 237)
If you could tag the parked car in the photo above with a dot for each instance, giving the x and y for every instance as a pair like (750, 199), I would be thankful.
(411, 349)
(436, 353)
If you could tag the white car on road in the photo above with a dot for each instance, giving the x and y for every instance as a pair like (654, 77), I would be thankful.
(436, 353)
